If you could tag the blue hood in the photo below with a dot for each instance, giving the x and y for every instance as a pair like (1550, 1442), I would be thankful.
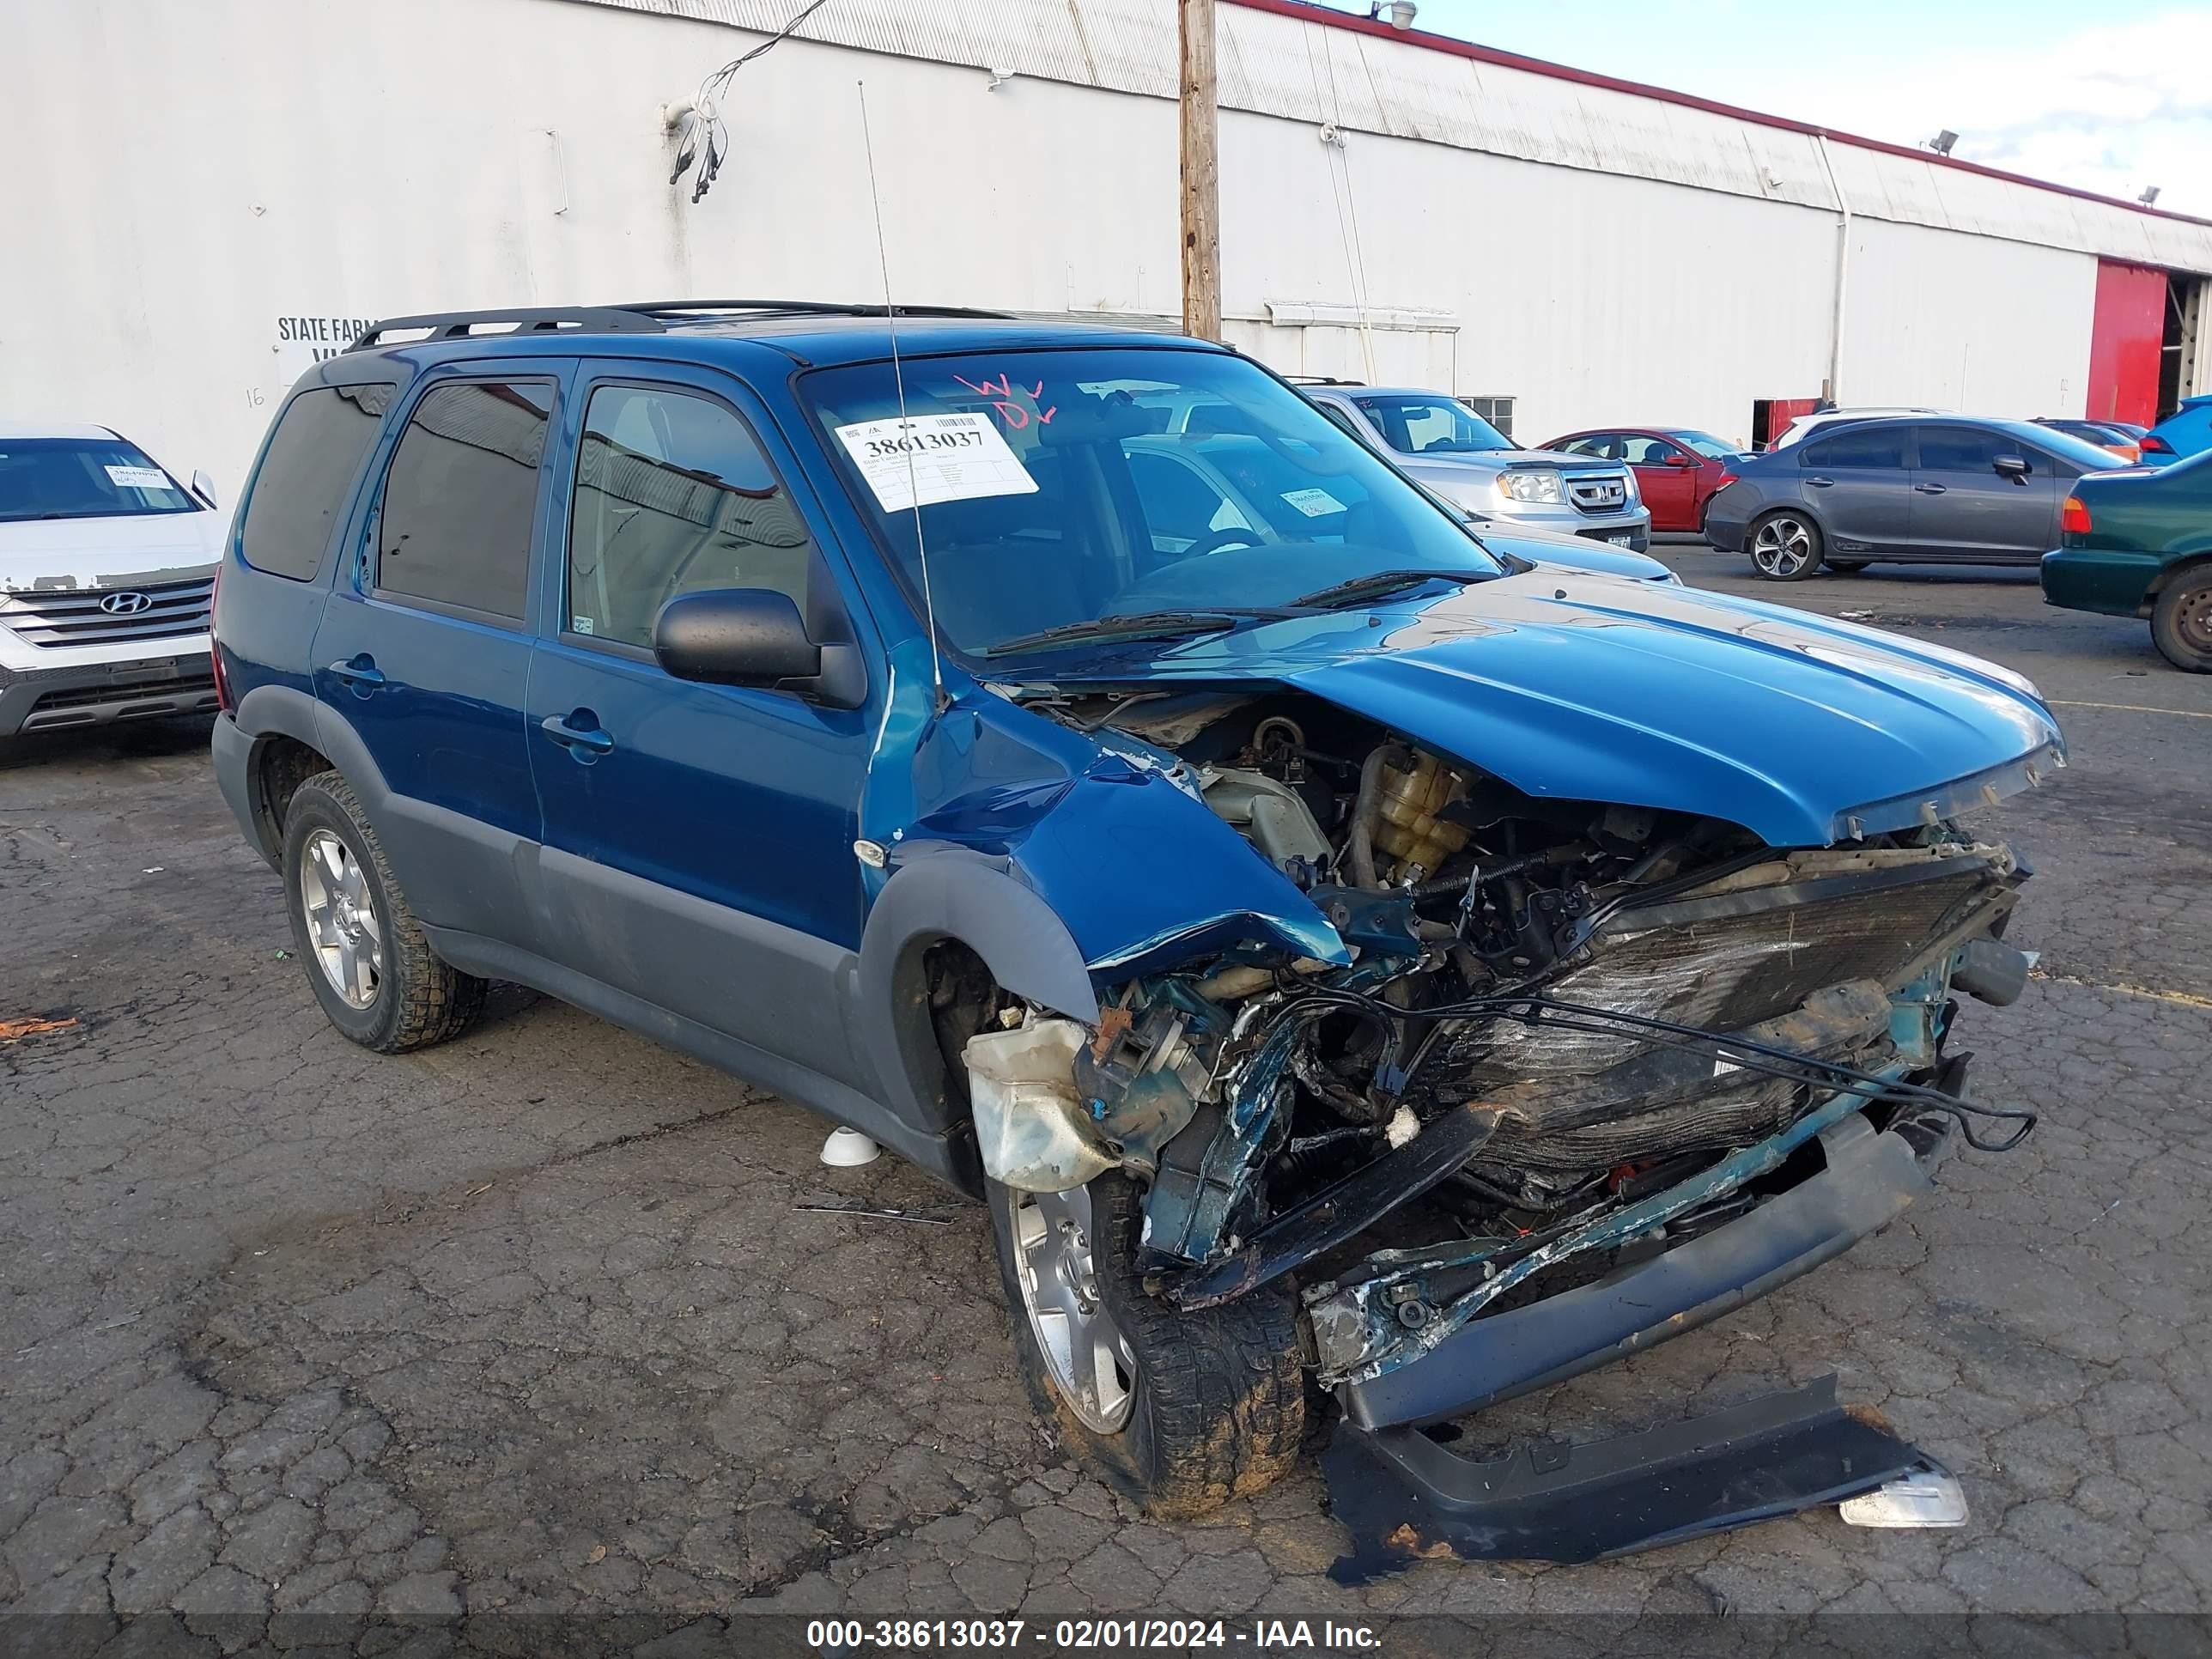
(1804, 730)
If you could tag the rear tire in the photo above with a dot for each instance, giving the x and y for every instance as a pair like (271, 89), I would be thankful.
(1847, 567)
(1208, 1406)
(1784, 545)
(363, 951)
(2181, 621)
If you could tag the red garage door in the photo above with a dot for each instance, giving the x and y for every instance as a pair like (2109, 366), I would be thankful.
(2124, 337)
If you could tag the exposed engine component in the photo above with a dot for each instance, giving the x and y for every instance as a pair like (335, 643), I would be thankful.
(1566, 1028)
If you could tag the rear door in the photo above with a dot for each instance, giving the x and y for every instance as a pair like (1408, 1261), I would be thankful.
(1667, 475)
(1964, 508)
(1857, 481)
(424, 647)
(698, 838)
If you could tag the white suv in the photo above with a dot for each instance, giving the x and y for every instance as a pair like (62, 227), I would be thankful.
(106, 572)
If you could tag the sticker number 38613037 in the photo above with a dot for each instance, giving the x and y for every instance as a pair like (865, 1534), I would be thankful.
(926, 459)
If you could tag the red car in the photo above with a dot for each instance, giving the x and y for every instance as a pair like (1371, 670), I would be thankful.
(1677, 469)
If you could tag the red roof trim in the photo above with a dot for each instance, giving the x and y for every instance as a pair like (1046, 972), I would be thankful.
(1455, 47)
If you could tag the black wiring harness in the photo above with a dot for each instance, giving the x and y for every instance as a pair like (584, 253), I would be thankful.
(1786, 1063)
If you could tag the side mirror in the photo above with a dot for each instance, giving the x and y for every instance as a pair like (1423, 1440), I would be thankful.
(1679, 459)
(754, 636)
(2011, 466)
(203, 487)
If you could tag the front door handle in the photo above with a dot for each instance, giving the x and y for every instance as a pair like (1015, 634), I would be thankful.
(360, 671)
(1931, 489)
(586, 743)
(1820, 483)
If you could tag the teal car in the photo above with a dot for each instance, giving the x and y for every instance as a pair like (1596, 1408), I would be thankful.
(2138, 543)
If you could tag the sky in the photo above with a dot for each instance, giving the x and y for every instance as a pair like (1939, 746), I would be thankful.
(2104, 98)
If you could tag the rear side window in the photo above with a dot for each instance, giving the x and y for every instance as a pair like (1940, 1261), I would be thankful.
(1858, 449)
(1963, 449)
(673, 496)
(305, 478)
(461, 498)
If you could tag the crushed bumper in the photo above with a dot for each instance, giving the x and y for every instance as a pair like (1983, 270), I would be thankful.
(1404, 1498)
(1870, 1179)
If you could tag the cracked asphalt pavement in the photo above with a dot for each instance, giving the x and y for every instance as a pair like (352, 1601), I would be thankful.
(531, 1322)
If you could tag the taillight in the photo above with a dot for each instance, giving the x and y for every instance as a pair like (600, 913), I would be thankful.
(222, 696)
(1726, 479)
(2153, 444)
(2073, 518)
(2129, 453)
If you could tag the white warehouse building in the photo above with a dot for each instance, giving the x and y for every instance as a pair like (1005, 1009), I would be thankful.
(203, 198)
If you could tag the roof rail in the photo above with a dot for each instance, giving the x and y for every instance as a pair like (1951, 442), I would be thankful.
(678, 308)
(644, 317)
(1320, 379)
(521, 319)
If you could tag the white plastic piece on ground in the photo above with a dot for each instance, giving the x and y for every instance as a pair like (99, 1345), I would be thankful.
(1923, 1498)
(1032, 1131)
(1402, 1127)
(848, 1149)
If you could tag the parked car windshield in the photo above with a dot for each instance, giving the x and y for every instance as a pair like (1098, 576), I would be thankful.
(1706, 445)
(83, 478)
(1059, 488)
(1425, 425)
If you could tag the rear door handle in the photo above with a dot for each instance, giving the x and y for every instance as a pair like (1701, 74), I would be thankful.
(586, 743)
(1931, 489)
(359, 671)
(1820, 483)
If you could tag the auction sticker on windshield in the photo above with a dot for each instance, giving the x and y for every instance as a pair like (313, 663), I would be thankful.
(138, 477)
(926, 459)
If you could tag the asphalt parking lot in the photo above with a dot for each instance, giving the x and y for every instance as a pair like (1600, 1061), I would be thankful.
(531, 1323)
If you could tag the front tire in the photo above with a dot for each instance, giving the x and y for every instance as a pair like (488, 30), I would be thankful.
(1179, 1412)
(1847, 567)
(2181, 621)
(1786, 546)
(364, 952)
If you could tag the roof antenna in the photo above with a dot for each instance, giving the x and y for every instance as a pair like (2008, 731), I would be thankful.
(906, 434)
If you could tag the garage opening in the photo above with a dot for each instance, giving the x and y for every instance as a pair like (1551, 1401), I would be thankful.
(2184, 367)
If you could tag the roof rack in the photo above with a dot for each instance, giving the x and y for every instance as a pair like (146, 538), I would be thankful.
(1320, 379)
(644, 317)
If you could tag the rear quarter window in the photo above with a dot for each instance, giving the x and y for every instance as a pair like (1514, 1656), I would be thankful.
(306, 477)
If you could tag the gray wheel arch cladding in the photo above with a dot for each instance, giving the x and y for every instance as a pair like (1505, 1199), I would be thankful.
(967, 899)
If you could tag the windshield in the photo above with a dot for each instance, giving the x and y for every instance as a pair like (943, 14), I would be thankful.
(1060, 487)
(2090, 458)
(1417, 424)
(83, 478)
(1706, 445)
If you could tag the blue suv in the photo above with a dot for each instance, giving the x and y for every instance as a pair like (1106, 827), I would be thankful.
(1333, 938)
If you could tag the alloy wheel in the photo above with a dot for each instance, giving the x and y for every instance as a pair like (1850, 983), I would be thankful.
(1782, 546)
(1092, 1365)
(343, 929)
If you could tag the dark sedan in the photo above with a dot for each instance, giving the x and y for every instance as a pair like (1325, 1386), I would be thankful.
(1678, 470)
(1943, 489)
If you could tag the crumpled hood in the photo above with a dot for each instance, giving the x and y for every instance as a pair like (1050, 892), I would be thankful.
(1577, 686)
(107, 552)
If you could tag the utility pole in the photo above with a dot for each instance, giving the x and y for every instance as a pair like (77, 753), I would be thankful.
(1202, 174)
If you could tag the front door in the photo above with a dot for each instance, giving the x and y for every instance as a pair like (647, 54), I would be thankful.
(424, 648)
(698, 838)
(1857, 483)
(1964, 508)
(1667, 477)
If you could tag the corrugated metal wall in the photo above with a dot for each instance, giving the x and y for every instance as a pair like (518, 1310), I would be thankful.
(203, 196)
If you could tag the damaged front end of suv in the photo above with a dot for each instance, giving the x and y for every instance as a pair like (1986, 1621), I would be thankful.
(1493, 1087)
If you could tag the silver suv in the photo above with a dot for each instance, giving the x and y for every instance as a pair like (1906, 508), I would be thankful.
(1469, 462)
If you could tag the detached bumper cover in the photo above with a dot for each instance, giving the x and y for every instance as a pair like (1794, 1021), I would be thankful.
(1407, 1498)
(1869, 1182)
